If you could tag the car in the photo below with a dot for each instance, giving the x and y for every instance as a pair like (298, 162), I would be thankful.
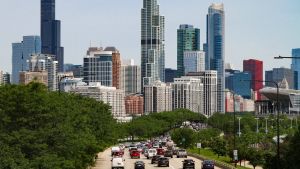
(188, 164)
(117, 163)
(151, 153)
(132, 149)
(156, 146)
(155, 159)
(163, 161)
(175, 151)
(181, 153)
(139, 165)
(208, 164)
(169, 153)
(160, 151)
(135, 154)
(146, 152)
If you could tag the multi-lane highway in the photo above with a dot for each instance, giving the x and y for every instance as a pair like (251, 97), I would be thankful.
(104, 161)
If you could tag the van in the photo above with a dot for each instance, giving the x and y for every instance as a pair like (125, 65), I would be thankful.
(151, 152)
(117, 163)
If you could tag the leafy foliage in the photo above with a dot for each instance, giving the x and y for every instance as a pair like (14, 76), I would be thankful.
(41, 129)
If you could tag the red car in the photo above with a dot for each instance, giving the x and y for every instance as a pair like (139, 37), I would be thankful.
(135, 154)
(160, 151)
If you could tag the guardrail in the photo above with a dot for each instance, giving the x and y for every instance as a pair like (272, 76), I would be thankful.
(217, 163)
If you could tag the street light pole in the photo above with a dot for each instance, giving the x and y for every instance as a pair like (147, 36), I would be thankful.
(257, 124)
(266, 126)
(239, 133)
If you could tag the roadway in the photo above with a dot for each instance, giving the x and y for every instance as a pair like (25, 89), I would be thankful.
(104, 162)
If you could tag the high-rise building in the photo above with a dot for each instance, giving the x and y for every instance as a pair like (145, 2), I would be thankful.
(187, 93)
(76, 69)
(239, 82)
(152, 43)
(134, 105)
(170, 74)
(188, 39)
(6, 78)
(194, 61)
(157, 97)
(40, 77)
(102, 66)
(109, 95)
(278, 74)
(51, 32)
(296, 67)
(255, 67)
(48, 63)
(21, 52)
(209, 80)
(130, 78)
(215, 58)
(1, 77)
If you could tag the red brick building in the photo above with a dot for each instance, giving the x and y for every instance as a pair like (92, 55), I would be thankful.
(134, 104)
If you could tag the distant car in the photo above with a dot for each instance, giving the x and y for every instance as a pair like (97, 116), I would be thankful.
(181, 153)
(188, 164)
(151, 153)
(117, 163)
(169, 153)
(155, 159)
(163, 161)
(175, 151)
(135, 154)
(132, 149)
(160, 151)
(208, 164)
(139, 165)
(156, 146)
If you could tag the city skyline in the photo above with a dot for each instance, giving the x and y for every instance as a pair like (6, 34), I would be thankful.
(257, 42)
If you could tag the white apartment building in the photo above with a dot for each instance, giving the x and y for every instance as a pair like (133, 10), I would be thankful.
(187, 92)
(130, 77)
(194, 61)
(109, 95)
(209, 80)
(157, 97)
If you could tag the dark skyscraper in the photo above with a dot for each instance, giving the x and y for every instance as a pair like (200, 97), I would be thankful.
(50, 32)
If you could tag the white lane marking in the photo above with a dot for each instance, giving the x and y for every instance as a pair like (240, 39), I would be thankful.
(172, 167)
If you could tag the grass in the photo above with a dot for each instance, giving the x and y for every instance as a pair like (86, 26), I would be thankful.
(208, 153)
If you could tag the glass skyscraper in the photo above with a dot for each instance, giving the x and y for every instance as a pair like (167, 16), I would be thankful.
(215, 48)
(152, 43)
(296, 67)
(188, 39)
(21, 52)
(50, 32)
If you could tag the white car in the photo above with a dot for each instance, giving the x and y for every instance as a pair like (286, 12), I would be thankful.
(117, 163)
(151, 152)
(115, 149)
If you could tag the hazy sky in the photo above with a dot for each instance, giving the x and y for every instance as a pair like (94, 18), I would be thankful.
(258, 29)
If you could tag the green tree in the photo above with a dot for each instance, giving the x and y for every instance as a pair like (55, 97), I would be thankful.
(184, 137)
(219, 146)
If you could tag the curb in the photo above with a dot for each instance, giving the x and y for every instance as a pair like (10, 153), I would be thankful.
(217, 163)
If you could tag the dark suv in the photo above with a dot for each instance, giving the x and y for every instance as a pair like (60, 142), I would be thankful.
(163, 161)
(208, 164)
(169, 153)
(188, 164)
(155, 159)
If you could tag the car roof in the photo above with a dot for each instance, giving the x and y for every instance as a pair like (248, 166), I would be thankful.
(139, 162)
(208, 162)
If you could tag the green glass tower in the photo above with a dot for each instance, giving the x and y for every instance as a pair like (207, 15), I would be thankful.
(188, 39)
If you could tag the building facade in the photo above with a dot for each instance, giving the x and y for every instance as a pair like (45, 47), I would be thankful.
(40, 77)
(48, 63)
(152, 43)
(278, 74)
(215, 57)
(209, 80)
(134, 105)
(255, 67)
(296, 67)
(76, 69)
(109, 95)
(1, 77)
(21, 52)
(170, 75)
(187, 93)
(157, 97)
(102, 66)
(194, 61)
(239, 83)
(131, 78)
(51, 33)
(188, 39)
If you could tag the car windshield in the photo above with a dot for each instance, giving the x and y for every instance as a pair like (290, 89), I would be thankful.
(181, 150)
(208, 162)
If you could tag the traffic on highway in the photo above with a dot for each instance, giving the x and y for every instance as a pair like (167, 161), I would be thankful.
(150, 154)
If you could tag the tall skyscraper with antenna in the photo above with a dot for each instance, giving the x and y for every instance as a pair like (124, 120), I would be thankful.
(51, 32)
